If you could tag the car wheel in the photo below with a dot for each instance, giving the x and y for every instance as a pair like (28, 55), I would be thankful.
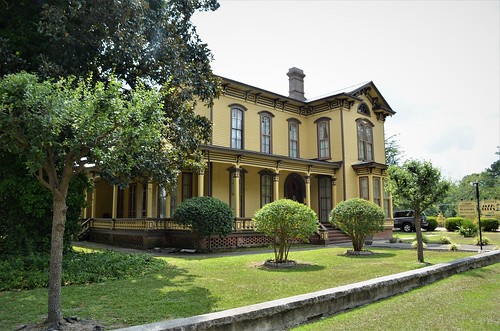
(407, 227)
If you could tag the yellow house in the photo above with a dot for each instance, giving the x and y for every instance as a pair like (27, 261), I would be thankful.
(264, 147)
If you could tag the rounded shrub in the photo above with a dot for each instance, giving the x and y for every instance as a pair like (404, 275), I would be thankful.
(285, 220)
(489, 224)
(453, 223)
(432, 223)
(358, 218)
(206, 215)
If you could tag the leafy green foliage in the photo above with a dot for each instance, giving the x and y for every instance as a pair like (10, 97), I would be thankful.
(444, 240)
(358, 218)
(151, 40)
(206, 215)
(432, 223)
(71, 126)
(393, 151)
(285, 220)
(417, 185)
(468, 229)
(26, 218)
(453, 223)
(489, 224)
(485, 241)
(18, 272)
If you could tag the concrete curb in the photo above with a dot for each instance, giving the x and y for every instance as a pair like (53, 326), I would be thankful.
(285, 313)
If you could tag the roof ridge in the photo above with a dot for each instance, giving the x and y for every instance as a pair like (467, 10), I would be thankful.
(337, 91)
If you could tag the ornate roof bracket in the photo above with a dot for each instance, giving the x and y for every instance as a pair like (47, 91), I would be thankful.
(224, 88)
(247, 92)
(257, 96)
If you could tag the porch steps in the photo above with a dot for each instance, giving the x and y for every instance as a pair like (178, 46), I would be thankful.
(335, 236)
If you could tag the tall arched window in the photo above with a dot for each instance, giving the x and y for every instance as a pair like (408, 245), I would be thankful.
(266, 187)
(236, 127)
(266, 132)
(365, 140)
(293, 137)
(325, 198)
(323, 125)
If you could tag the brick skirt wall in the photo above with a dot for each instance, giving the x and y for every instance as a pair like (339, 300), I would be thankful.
(181, 239)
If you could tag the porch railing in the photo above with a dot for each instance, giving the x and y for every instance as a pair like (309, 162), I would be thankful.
(240, 224)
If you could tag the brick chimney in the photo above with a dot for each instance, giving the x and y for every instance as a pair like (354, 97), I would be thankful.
(296, 83)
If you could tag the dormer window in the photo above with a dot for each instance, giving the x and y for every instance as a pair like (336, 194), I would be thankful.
(363, 109)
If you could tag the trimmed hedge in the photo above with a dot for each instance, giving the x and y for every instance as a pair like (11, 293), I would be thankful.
(489, 224)
(433, 223)
(206, 215)
(453, 223)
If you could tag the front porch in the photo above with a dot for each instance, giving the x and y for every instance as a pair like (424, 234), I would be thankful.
(148, 233)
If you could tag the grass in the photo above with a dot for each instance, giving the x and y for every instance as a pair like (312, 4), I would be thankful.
(434, 236)
(198, 284)
(467, 301)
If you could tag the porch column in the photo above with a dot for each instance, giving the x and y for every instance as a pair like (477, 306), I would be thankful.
(236, 190)
(114, 207)
(308, 190)
(334, 195)
(150, 204)
(201, 181)
(168, 207)
(94, 195)
(85, 210)
(276, 189)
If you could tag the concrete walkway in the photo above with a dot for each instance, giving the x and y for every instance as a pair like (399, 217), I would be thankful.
(376, 244)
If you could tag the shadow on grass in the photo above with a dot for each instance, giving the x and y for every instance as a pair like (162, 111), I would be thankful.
(374, 255)
(299, 267)
(166, 294)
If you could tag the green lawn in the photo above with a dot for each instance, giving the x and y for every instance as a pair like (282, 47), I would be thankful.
(456, 238)
(198, 284)
(467, 301)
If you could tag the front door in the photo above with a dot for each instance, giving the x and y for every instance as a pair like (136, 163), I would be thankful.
(295, 188)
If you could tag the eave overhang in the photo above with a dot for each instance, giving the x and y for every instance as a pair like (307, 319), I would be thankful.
(259, 96)
(369, 167)
(272, 161)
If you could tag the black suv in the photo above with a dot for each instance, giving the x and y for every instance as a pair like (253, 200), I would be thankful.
(403, 219)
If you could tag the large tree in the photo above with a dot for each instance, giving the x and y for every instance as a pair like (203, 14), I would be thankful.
(71, 126)
(417, 185)
(153, 40)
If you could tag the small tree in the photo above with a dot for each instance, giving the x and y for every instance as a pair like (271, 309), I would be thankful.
(206, 215)
(358, 219)
(285, 220)
(417, 185)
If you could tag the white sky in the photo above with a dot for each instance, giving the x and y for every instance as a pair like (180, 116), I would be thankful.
(437, 64)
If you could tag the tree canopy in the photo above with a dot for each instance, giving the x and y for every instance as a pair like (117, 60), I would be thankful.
(285, 220)
(105, 115)
(417, 185)
(153, 41)
(358, 218)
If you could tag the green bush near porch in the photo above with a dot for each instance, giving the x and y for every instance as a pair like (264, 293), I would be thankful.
(206, 215)
(358, 218)
(285, 220)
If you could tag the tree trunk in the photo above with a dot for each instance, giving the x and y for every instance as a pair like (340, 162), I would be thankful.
(56, 255)
(420, 246)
